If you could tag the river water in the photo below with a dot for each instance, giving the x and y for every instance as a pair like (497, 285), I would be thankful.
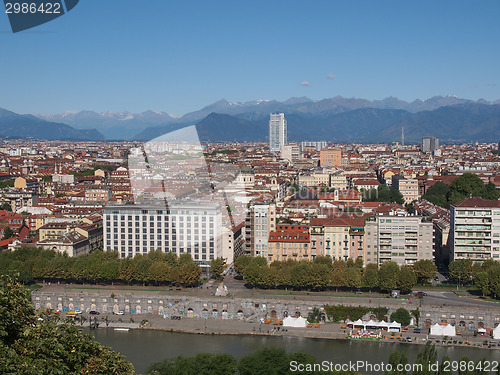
(145, 347)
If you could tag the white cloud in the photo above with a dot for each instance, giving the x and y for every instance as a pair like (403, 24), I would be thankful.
(305, 83)
(331, 76)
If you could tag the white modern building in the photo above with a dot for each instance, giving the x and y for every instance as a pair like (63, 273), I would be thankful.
(180, 228)
(475, 229)
(277, 131)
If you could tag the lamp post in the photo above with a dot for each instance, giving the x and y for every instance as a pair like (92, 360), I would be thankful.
(458, 285)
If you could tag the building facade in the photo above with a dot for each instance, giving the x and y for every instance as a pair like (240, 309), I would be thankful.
(402, 239)
(475, 229)
(277, 132)
(430, 144)
(289, 241)
(261, 220)
(408, 187)
(330, 158)
(188, 228)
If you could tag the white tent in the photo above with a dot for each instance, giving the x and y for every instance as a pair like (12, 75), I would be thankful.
(383, 325)
(496, 332)
(372, 324)
(437, 330)
(395, 327)
(443, 330)
(449, 330)
(295, 322)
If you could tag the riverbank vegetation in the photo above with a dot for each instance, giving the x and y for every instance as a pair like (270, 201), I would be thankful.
(29, 345)
(268, 361)
(156, 268)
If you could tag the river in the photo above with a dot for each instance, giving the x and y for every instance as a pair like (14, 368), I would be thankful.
(145, 347)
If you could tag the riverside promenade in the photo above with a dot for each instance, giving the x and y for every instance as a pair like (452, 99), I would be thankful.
(242, 311)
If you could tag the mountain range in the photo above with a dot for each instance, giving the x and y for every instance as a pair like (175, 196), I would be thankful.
(335, 119)
(13, 125)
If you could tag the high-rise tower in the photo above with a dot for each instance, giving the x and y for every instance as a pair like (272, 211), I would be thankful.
(277, 131)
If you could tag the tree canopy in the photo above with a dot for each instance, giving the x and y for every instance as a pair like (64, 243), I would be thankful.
(49, 346)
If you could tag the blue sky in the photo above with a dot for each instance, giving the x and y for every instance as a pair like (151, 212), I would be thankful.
(178, 56)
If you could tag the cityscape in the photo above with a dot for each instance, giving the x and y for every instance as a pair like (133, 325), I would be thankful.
(250, 188)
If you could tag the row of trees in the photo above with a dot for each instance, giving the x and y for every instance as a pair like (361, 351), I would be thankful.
(31, 346)
(322, 273)
(464, 186)
(485, 276)
(156, 268)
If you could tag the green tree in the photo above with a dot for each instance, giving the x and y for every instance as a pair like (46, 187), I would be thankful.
(272, 361)
(465, 185)
(159, 272)
(353, 277)
(7, 233)
(319, 276)
(425, 357)
(437, 194)
(29, 346)
(406, 279)
(402, 316)
(201, 364)
(127, 270)
(370, 276)
(189, 274)
(6, 206)
(338, 274)
(460, 269)
(425, 270)
(481, 280)
(490, 192)
(388, 276)
(217, 267)
(397, 358)
(241, 263)
(253, 275)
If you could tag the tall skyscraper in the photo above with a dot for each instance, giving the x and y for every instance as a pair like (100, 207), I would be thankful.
(277, 131)
(430, 144)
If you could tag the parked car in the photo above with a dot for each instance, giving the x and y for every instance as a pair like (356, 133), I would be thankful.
(417, 330)
(121, 312)
(175, 317)
(421, 294)
(94, 312)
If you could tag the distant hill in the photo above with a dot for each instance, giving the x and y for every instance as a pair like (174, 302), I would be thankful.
(458, 123)
(13, 125)
(126, 125)
(113, 125)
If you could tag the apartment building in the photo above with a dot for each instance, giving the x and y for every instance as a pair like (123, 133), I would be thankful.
(290, 153)
(184, 227)
(260, 220)
(289, 241)
(341, 238)
(330, 157)
(408, 187)
(475, 229)
(402, 239)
